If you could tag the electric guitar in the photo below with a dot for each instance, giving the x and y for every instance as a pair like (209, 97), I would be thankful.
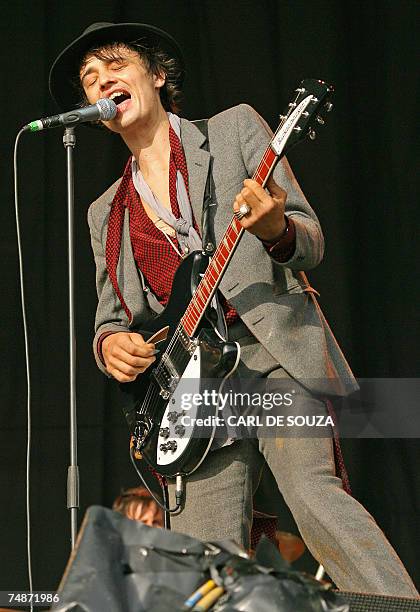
(174, 438)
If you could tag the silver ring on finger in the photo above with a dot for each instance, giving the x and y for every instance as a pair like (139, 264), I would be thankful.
(243, 211)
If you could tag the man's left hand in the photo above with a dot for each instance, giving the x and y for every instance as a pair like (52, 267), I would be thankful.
(266, 217)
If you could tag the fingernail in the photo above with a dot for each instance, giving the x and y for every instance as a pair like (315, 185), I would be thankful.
(155, 351)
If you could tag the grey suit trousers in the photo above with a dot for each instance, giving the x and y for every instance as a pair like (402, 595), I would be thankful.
(338, 531)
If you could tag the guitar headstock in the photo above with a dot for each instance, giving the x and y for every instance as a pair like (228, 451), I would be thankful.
(306, 112)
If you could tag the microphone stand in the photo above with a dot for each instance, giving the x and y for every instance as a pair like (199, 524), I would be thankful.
(69, 141)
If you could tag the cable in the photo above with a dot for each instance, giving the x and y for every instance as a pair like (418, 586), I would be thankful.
(179, 490)
(165, 495)
(27, 365)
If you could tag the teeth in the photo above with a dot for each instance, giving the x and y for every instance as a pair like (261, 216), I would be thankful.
(117, 93)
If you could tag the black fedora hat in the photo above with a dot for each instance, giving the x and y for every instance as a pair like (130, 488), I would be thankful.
(65, 69)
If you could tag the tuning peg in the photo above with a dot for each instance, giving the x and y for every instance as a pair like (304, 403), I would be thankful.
(312, 134)
(320, 120)
(305, 114)
(282, 117)
(314, 100)
(297, 129)
(329, 106)
(300, 90)
(292, 104)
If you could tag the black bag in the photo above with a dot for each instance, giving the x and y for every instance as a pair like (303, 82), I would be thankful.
(120, 565)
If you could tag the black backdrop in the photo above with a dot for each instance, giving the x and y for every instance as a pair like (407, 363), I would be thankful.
(359, 176)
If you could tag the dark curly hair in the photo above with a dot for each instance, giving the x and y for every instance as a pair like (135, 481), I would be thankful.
(156, 62)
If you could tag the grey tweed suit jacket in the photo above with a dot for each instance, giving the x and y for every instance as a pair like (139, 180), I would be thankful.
(273, 299)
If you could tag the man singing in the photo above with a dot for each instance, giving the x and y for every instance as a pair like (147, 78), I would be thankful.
(143, 225)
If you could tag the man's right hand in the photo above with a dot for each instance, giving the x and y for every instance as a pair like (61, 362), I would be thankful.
(127, 355)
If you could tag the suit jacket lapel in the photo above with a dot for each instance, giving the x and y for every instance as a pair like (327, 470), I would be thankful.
(197, 164)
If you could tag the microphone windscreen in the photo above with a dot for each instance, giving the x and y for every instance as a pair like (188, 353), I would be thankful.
(107, 109)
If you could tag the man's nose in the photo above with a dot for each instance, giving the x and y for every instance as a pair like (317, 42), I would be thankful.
(106, 79)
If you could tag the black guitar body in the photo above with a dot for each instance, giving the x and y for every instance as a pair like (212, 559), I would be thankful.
(146, 400)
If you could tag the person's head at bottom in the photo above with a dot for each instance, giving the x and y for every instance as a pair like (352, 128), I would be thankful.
(137, 504)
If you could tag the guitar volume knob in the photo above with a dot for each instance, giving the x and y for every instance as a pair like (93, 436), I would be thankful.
(180, 430)
(171, 445)
(173, 416)
(164, 432)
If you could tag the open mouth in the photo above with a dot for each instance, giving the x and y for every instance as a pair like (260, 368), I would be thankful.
(119, 97)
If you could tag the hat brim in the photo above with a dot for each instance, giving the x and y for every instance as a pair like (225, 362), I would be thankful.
(64, 72)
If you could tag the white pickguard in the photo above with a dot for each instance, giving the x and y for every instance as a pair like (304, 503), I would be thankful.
(192, 374)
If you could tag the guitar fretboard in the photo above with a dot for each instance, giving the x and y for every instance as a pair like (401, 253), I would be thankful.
(218, 264)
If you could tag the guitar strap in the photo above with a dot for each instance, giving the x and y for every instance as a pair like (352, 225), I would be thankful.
(209, 210)
(209, 202)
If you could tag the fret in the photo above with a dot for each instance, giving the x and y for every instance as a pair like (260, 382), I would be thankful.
(200, 302)
(190, 318)
(194, 312)
(188, 326)
(204, 290)
(237, 225)
(228, 237)
(205, 282)
(216, 258)
(224, 252)
(210, 271)
(188, 315)
(232, 233)
(194, 323)
(222, 260)
(268, 160)
(214, 275)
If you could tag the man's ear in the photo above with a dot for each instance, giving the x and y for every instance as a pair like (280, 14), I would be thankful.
(159, 79)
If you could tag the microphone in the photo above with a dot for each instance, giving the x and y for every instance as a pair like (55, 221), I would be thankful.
(104, 109)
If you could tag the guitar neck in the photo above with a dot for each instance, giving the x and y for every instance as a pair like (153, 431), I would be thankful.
(294, 126)
(220, 260)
